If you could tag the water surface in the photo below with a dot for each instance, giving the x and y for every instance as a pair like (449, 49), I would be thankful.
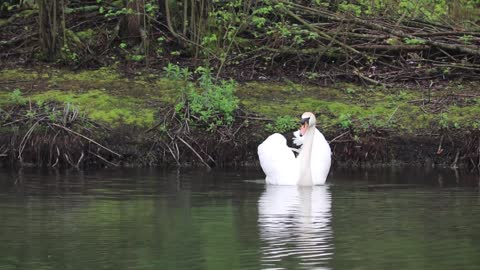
(192, 219)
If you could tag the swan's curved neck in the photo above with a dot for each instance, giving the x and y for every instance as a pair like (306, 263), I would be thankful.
(305, 158)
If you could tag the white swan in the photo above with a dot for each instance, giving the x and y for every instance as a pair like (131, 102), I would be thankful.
(310, 167)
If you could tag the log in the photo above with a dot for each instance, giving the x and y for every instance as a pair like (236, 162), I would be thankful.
(382, 47)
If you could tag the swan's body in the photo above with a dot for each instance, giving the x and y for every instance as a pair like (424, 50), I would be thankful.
(310, 167)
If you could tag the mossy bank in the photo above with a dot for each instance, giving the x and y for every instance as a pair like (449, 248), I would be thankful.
(137, 116)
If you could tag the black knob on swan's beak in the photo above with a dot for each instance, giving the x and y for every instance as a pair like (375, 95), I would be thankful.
(304, 120)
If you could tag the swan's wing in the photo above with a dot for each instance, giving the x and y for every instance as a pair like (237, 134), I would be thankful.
(278, 161)
(321, 159)
(297, 139)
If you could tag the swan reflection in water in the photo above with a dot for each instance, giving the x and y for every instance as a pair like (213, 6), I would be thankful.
(295, 227)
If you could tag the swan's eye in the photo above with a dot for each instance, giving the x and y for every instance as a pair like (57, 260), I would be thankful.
(305, 120)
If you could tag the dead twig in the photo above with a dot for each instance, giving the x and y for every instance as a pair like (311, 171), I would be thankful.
(25, 138)
(103, 159)
(363, 77)
(175, 157)
(440, 149)
(86, 138)
(339, 136)
(58, 155)
(454, 164)
(195, 152)
(79, 160)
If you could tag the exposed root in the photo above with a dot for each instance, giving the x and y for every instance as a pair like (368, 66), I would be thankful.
(49, 138)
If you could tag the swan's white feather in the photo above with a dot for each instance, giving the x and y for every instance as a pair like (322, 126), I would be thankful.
(321, 159)
(278, 161)
(297, 138)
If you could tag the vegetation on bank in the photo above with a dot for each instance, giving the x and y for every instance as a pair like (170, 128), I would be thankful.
(177, 106)
(106, 96)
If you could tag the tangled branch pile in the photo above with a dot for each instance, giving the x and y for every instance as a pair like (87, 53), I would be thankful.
(380, 42)
(386, 49)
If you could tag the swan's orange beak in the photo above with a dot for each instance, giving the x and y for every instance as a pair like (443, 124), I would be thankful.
(304, 126)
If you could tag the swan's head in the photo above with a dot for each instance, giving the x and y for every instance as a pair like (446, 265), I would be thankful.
(308, 121)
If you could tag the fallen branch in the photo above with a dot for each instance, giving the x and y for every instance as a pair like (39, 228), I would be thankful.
(103, 159)
(454, 164)
(195, 152)
(363, 77)
(339, 136)
(321, 33)
(383, 47)
(86, 138)
(23, 143)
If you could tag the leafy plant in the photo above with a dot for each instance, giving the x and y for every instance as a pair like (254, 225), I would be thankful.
(175, 72)
(259, 22)
(402, 95)
(16, 97)
(312, 75)
(444, 120)
(30, 114)
(352, 8)
(214, 104)
(283, 124)
(69, 55)
(414, 41)
(160, 41)
(136, 57)
(467, 39)
(350, 91)
(345, 120)
(116, 12)
(476, 125)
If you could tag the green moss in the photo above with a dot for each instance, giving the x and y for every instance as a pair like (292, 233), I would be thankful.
(101, 106)
(169, 90)
(103, 94)
(22, 14)
(86, 35)
(20, 74)
(463, 116)
(27, 13)
(104, 74)
(3, 98)
(364, 108)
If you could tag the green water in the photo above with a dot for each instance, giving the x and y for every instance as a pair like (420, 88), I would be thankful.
(151, 219)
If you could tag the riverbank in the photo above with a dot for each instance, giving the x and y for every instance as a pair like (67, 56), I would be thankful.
(107, 117)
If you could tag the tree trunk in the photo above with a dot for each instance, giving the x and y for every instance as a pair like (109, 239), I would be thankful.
(134, 23)
(50, 26)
